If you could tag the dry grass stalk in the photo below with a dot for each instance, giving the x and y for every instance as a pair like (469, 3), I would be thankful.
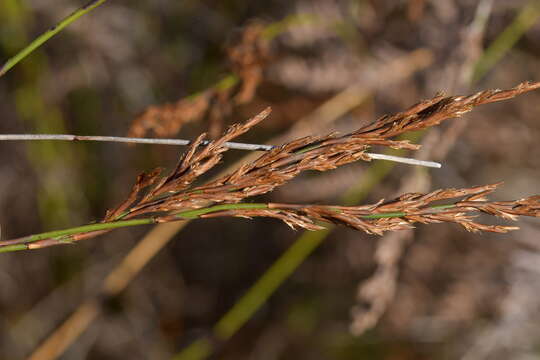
(175, 196)
(376, 293)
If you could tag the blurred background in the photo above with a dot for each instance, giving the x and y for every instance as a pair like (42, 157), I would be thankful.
(178, 68)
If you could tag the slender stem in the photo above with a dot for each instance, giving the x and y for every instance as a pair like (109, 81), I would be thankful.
(230, 145)
(10, 248)
(193, 214)
(402, 213)
(181, 142)
(266, 285)
(404, 160)
(40, 40)
(66, 234)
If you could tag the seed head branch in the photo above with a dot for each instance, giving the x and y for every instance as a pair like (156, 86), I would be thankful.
(404, 211)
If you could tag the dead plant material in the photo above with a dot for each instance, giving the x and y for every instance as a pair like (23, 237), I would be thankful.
(248, 57)
(376, 293)
(167, 119)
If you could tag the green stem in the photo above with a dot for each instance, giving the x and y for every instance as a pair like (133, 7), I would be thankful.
(40, 40)
(63, 235)
(11, 248)
(401, 213)
(193, 214)
(268, 284)
(257, 295)
(13, 245)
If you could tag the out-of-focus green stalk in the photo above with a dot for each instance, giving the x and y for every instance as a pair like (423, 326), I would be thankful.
(52, 164)
(41, 39)
(527, 17)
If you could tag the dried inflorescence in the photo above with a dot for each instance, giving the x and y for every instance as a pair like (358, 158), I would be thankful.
(177, 196)
(403, 212)
(170, 192)
(176, 193)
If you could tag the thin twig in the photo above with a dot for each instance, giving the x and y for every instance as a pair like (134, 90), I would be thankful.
(230, 145)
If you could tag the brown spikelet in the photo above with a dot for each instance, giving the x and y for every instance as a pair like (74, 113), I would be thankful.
(431, 112)
(196, 161)
(143, 181)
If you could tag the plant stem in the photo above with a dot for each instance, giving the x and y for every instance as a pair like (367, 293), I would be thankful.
(267, 284)
(40, 40)
(65, 235)
(230, 145)
(10, 248)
